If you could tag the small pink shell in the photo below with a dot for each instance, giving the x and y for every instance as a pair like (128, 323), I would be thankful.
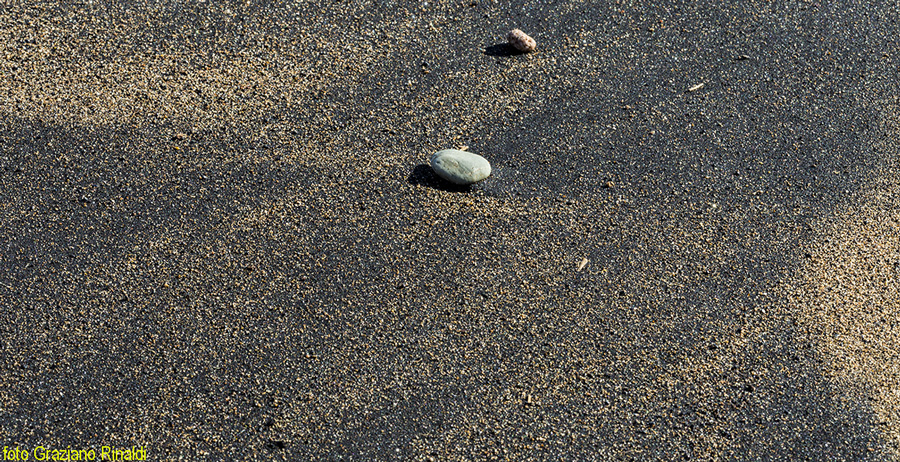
(521, 41)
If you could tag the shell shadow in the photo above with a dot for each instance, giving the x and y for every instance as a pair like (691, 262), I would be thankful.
(503, 50)
(423, 175)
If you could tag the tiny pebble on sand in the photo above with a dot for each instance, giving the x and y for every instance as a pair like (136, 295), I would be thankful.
(460, 167)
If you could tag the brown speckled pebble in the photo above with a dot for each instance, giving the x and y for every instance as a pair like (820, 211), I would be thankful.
(521, 41)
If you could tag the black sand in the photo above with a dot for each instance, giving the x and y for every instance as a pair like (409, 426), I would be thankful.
(220, 238)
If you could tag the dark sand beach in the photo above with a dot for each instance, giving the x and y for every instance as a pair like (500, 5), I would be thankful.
(220, 237)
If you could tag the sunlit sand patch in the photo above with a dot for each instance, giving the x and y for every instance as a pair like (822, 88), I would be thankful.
(848, 298)
(185, 83)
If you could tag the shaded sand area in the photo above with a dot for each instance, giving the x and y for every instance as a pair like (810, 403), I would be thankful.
(220, 238)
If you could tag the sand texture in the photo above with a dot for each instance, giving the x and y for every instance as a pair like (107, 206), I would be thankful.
(220, 237)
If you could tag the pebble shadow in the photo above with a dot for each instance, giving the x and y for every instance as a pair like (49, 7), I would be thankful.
(423, 175)
(503, 50)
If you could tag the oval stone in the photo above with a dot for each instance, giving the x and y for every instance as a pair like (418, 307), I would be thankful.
(521, 41)
(460, 167)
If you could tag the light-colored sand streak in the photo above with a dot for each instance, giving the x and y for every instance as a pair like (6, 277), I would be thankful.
(847, 297)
